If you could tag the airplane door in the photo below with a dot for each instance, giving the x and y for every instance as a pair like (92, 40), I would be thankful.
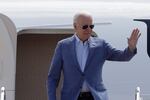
(34, 53)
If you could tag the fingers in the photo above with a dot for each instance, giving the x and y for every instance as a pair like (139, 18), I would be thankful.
(132, 33)
(132, 41)
(135, 34)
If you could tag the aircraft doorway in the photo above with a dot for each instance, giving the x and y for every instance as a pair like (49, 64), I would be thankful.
(34, 53)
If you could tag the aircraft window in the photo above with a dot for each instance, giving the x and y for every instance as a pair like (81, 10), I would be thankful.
(147, 22)
(148, 36)
(148, 40)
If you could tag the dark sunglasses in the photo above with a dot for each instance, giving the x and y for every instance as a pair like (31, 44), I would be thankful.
(86, 26)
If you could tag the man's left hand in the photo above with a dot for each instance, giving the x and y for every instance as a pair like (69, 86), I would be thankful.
(132, 41)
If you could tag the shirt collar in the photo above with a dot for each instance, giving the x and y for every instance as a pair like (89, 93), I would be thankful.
(79, 41)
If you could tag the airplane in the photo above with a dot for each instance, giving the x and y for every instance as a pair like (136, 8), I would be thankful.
(29, 32)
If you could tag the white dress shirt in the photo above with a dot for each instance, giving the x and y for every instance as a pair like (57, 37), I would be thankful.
(82, 51)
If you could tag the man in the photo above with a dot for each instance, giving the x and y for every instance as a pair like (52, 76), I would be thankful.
(81, 58)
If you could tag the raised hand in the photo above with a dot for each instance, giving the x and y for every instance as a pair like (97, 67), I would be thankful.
(132, 41)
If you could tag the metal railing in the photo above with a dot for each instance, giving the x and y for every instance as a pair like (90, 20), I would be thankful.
(141, 96)
(3, 94)
(138, 94)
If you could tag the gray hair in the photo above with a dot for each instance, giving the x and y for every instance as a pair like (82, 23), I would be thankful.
(79, 14)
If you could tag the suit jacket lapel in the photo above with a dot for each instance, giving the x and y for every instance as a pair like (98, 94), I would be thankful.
(91, 51)
(74, 55)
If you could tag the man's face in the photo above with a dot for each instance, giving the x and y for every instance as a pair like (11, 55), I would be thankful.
(83, 27)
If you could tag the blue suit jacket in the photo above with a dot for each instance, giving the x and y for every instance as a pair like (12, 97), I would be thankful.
(65, 60)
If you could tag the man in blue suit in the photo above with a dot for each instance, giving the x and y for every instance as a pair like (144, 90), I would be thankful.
(81, 58)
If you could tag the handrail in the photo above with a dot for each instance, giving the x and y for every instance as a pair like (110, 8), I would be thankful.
(138, 94)
(3, 94)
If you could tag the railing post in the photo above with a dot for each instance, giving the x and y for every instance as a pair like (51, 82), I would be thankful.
(3, 93)
(138, 94)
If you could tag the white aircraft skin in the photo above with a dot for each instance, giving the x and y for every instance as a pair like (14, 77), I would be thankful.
(120, 78)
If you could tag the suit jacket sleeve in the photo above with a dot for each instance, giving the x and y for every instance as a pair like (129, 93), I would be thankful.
(118, 55)
(54, 72)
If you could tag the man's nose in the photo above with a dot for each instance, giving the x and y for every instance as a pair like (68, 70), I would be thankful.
(89, 29)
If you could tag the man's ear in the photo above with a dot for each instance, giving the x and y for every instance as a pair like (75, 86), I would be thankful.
(74, 24)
